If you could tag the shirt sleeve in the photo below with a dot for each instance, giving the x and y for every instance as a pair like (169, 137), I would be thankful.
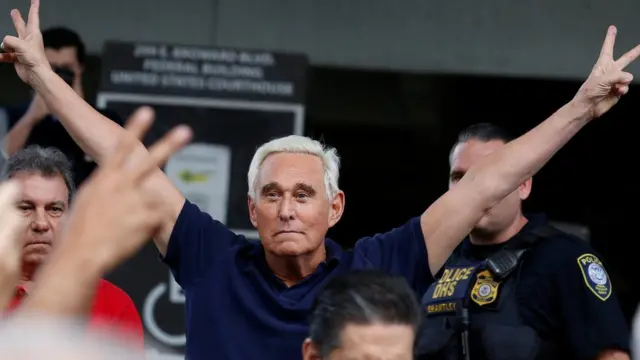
(197, 240)
(401, 251)
(590, 311)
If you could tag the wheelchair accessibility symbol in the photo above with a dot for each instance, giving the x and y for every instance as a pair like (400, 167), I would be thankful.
(176, 296)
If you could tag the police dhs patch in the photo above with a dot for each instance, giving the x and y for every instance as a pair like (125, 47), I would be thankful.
(595, 276)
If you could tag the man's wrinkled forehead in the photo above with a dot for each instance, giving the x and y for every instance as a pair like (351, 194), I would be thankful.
(288, 169)
(38, 188)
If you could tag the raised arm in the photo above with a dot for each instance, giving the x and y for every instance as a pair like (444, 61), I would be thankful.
(112, 217)
(18, 135)
(94, 133)
(450, 219)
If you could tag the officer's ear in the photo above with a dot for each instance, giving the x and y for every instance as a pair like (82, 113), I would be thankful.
(524, 190)
(310, 350)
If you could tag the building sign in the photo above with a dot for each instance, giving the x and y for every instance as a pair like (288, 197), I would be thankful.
(234, 100)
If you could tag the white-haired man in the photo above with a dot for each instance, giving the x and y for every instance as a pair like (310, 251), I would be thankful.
(250, 300)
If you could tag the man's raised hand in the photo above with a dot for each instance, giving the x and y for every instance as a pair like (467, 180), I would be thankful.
(608, 81)
(26, 51)
(114, 214)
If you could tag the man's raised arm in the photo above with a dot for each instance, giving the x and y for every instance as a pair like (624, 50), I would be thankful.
(450, 219)
(94, 133)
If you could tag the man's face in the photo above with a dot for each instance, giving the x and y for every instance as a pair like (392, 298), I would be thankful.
(66, 57)
(469, 153)
(44, 201)
(369, 342)
(291, 211)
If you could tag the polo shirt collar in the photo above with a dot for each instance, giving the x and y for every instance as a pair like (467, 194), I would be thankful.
(334, 254)
(334, 251)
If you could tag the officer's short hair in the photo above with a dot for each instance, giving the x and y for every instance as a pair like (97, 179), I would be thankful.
(484, 132)
(360, 297)
(47, 162)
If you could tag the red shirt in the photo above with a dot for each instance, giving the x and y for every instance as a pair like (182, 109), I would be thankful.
(111, 307)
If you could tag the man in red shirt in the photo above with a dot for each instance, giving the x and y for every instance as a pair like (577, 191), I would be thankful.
(46, 190)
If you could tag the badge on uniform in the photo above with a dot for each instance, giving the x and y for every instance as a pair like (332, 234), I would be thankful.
(485, 290)
(595, 276)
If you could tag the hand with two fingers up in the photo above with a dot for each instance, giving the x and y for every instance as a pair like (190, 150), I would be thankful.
(26, 51)
(608, 81)
(113, 214)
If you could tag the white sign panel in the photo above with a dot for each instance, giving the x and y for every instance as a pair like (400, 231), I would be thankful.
(201, 172)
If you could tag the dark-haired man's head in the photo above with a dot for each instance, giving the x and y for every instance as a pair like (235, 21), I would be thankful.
(363, 315)
(66, 54)
(472, 146)
(46, 183)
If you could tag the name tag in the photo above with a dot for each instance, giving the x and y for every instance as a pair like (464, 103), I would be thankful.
(448, 293)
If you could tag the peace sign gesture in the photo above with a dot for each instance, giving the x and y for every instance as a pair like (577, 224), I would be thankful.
(114, 212)
(27, 50)
(607, 81)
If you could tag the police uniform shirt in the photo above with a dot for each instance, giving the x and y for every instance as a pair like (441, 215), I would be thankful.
(49, 132)
(564, 293)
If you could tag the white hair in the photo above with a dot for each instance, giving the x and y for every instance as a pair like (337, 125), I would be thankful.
(295, 144)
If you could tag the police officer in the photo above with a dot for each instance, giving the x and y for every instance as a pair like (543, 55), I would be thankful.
(518, 288)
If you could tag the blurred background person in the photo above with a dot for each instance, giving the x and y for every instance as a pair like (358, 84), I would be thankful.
(46, 191)
(365, 314)
(33, 124)
(51, 324)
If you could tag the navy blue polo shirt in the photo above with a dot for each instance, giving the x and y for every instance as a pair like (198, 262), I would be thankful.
(236, 309)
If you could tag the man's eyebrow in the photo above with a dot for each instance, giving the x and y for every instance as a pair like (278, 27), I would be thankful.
(297, 187)
(58, 203)
(269, 187)
(306, 188)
